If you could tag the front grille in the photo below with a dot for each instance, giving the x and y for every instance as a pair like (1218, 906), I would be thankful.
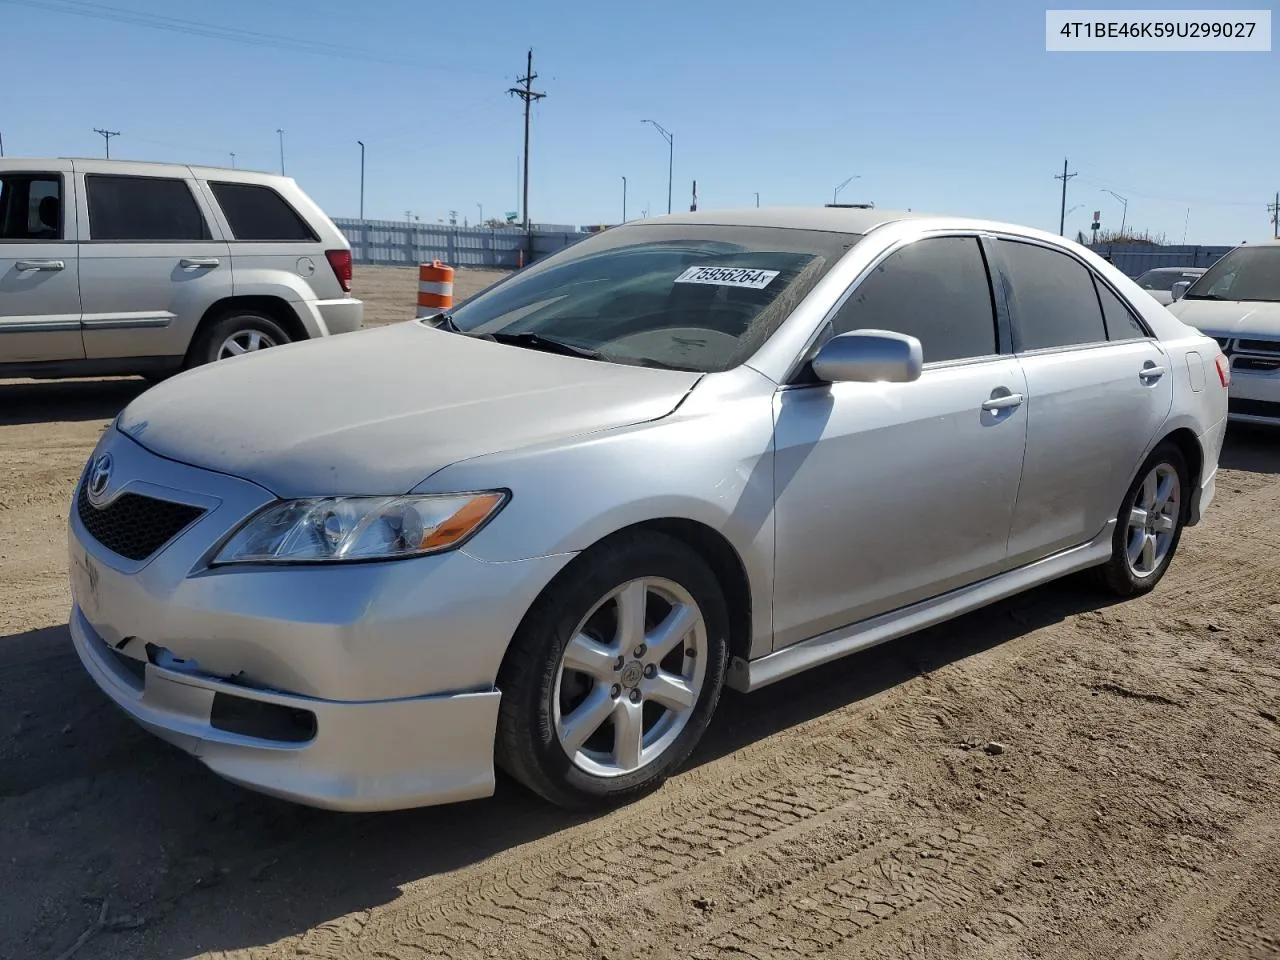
(1223, 342)
(1259, 346)
(1254, 408)
(132, 525)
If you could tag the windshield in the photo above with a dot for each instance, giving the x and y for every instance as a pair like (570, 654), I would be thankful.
(687, 297)
(1246, 273)
(1164, 279)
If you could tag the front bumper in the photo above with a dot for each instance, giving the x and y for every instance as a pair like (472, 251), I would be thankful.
(393, 664)
(384, 755)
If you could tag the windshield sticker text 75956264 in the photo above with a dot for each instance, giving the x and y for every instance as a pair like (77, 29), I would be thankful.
(729, 276)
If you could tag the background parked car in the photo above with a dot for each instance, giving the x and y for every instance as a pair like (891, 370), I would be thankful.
(112, 267)
(1159, 282)
(1237, 302)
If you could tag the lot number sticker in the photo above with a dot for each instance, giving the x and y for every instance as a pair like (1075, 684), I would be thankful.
(729, 277)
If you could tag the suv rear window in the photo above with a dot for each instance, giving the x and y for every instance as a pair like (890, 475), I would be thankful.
(259, 213)
(141, 209)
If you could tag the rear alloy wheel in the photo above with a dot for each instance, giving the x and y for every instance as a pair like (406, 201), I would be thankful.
(236, 333)
(614, 674)
(1149, 525)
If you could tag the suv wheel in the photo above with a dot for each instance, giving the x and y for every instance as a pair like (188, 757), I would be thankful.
(614, 674)
(235, 333)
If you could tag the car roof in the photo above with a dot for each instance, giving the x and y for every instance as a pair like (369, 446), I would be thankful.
(1176, 270)
(831, 219)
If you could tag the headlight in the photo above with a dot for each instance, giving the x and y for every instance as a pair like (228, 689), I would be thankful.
(335, 529)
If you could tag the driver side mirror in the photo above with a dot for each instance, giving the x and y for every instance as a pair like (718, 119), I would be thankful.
(1180, 288)
(870, 356)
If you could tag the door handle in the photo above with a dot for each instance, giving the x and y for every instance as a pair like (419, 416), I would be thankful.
(1151, 372)
(199, 262)
(25, 265)
(1006, 402)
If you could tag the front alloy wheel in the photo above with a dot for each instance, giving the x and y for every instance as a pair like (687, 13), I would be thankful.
(630, 677)
(614, 673)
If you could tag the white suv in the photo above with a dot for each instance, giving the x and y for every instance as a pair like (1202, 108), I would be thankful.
(114, 267)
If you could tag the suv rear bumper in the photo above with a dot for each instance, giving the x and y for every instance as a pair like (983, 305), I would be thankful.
(332, 316)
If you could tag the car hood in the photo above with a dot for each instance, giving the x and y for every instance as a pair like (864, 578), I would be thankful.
(1230, 318)
(378, 411)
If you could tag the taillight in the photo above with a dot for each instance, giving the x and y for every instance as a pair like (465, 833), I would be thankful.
(1224, 369)
(340, 260)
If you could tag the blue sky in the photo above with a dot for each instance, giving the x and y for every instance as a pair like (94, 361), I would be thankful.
(944, 106)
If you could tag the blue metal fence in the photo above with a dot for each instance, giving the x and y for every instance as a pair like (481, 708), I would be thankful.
(400, 243)
(1134, 259)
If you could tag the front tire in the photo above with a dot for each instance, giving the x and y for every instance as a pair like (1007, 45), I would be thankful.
(1149, 525)
(614, 674)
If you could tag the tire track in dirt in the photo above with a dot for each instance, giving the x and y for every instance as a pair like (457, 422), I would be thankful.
(813, 858)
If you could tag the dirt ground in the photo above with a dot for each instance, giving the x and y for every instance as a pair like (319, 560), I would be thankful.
(1054, 776)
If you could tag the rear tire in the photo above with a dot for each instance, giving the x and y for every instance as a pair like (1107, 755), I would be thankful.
(614, 674)
(1149, 525)
(237, 331)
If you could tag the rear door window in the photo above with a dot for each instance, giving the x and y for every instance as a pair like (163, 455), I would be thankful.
(255, 212)
(1120, 321)
(1055, 302)
(143, 209)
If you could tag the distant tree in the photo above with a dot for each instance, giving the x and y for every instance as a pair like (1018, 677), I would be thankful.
(1146, 238)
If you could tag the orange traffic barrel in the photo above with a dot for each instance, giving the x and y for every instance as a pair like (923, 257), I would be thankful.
(435, 288)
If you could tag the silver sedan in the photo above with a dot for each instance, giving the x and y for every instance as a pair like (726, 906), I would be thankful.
(548, 528)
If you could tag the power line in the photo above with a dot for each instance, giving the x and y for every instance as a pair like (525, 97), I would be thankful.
(81, 8)
(106, 136)
(1064, 177)
(528, 95)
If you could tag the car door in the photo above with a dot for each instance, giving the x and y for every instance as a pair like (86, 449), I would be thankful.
(39, 272)
(151, 264)
(1099, 386)
(891, 493)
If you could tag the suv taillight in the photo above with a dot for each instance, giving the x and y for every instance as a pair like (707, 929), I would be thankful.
(340, 260)
(1224, 369)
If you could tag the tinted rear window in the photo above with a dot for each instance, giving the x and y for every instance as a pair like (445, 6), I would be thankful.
(256, 212)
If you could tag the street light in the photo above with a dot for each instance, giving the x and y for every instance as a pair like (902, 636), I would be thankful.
(233, 159)
(624, 199)
(757, 198)
(671, 152)
(480, 207)
(1124, 213)
(835, 197)
(280, 134)
(361, 142)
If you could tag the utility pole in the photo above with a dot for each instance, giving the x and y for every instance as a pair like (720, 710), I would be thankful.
(694, 206)
(1062, 221)
(624, 199)
(1275, 217)
(671, 154)
(280, 134)
(1124, 213)
(528, 95)
(835, 195)
(1, 143)
(106, 136)
(361, 142)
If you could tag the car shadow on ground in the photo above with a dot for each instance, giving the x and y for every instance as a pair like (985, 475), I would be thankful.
(1251, 447)
(213, 851)
(49, 401)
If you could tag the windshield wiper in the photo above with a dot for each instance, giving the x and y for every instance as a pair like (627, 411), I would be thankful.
(444, 321)
(1202, 296)
(537, 341)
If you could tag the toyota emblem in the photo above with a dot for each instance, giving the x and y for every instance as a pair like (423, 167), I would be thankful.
(99, 478)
